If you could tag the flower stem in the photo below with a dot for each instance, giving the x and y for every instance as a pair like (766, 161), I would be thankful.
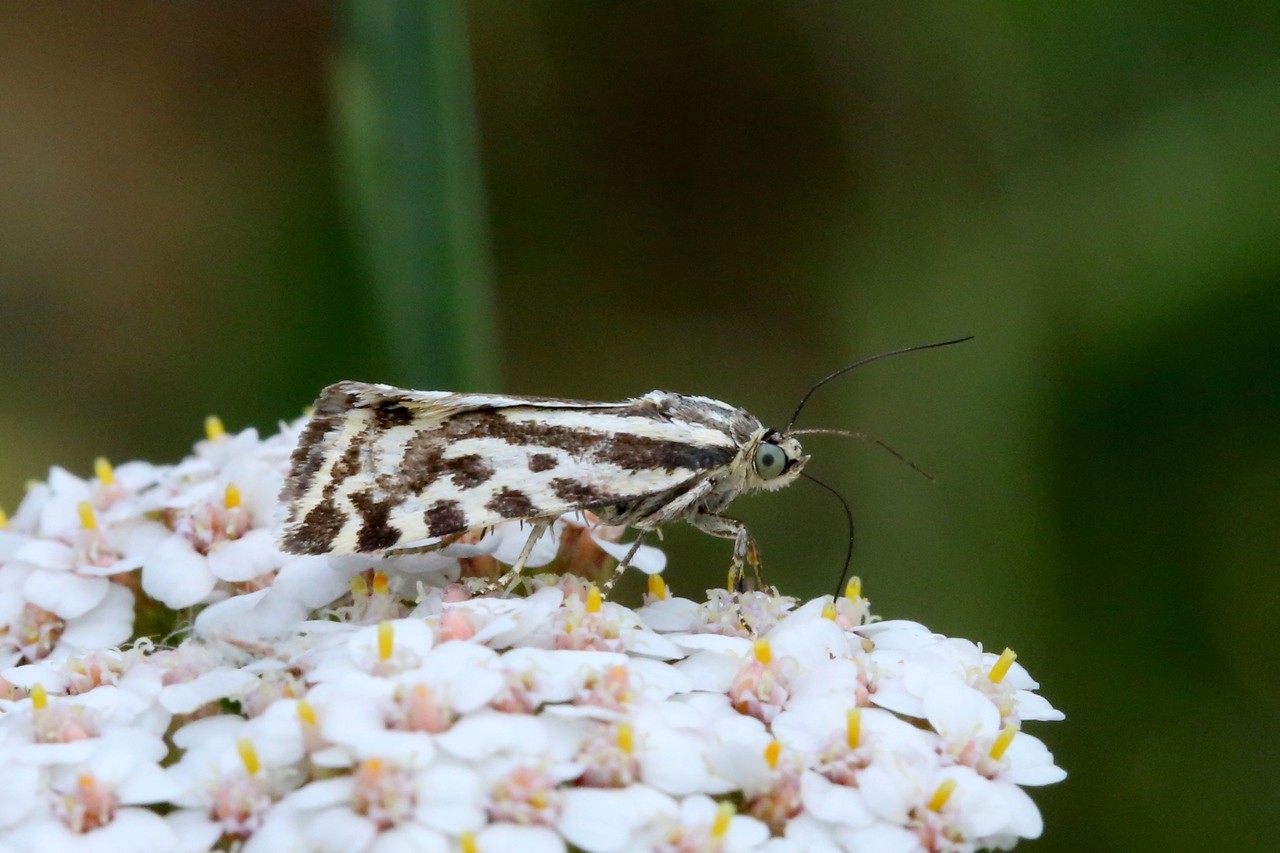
(411, 164)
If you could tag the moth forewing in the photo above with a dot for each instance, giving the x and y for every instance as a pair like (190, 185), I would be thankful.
(379, 468)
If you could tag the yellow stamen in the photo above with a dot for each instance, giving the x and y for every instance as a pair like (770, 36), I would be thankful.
(87, 519)
(371, 767)
(231, 496)
(829, 611)
(213, 428)
(1001, 667)
(248, 756)
(594, 599)
(85, 781)
(381, 585)
(39, 698)
(4, 520)
(724, 814)
(104, 472)
(1002, 741)
(940, 796)
(658, 587)
(386, 639)
(539, 800)
(626, 737)
(853, 727)
(467, 843)
(306, 713)
(771, 753)
(853, 589)
(359, 586)
(763, 651)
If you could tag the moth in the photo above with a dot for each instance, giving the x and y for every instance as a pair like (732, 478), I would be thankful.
(385, 469)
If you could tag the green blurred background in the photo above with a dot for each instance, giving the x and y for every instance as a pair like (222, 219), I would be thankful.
(732, 199)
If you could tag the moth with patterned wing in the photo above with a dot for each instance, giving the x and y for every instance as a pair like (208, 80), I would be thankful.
(384, 469)
(379, 468)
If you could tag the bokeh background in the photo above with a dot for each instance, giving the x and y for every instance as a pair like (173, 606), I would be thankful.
(201, 207)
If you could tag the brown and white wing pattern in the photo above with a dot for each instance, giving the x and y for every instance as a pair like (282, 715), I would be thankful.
(379, 467)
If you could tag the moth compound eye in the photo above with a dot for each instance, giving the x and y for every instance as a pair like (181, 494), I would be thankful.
(770, 460)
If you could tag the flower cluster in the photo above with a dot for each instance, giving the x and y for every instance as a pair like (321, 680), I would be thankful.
(171, 681)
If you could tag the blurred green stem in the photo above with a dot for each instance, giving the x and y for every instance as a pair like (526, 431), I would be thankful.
(411, 164)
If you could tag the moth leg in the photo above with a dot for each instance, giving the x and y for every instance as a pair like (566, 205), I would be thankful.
(509, 580)
(607, 586)
(745, 549)
(677, 508)
(445, 541)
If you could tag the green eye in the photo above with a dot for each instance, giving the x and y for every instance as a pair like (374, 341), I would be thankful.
(770, 460)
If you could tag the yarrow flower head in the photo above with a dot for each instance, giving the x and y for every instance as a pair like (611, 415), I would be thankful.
(171, 680)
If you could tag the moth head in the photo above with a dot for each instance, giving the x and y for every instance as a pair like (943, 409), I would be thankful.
(776, 460)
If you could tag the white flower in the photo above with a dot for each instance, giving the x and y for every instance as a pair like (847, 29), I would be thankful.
(380, 703)
(702, 824)
(969, 726)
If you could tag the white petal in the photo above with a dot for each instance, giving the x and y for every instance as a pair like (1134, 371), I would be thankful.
(739, 647)
(526, 839)
(462, 672)
(642, 641)
(882, 838)
(312, 581)
(560, 673)
(222, 683)
(898, 634)
(413, 639)
(804, 834)
(450, 799)
(65, 593)
(322, 794)
(810, 642)
(487, 733)
(22, 787)
(647, 558)
(675, 762)
(12, 578)
(45, 673)
(710, 671)
(146, 784)
(338, 830)
(107, 625)
(604, 820)
(834, 803)
(656, 680)
(510, 539)
(960, 713)
(207, 730)
(1030, 762)
(195, 830)
(1030, 706)
(410, 838)
(670, 615)
(251, 556)
(46, 554)
(838, 679)
(280, 830)
(175, 575)
(137, 830)
(259, 615)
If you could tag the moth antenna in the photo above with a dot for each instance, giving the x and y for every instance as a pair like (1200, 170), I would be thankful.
(842, 371)
(848, 514)
(871, 438)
